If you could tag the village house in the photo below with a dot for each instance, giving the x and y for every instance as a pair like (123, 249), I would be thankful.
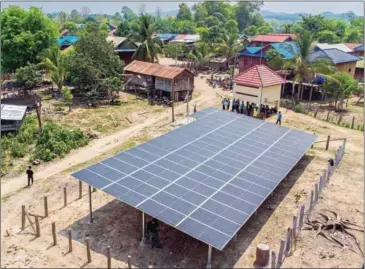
(151, 77)
(343, 61)
(252, 56)
(12, 117)
(359, 71)
(124, 49)
(263, 40)
(66, 41)
(260, 85)
(356, 48)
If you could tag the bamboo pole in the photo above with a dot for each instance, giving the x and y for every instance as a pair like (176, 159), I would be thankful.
(69, 232)
(45, 206)
(54, 233)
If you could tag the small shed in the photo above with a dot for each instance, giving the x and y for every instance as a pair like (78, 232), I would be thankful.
(165, 78)
(12, 117)
(258, 84)
(218, 63)
(124, 48)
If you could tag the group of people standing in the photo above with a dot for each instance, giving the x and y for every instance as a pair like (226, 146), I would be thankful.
(239, 106)
(249, 109)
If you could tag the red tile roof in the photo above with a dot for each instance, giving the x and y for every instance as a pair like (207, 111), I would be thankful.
(157, 70)
(273, 38)
(258, 76)
(181, 36)
(352, 46)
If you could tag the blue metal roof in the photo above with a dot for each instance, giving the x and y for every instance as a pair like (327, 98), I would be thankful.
(360, 48)
(69, 39)
(336, 56)
(253, 50)
(287, 49)
(166, 36)
(250, 54)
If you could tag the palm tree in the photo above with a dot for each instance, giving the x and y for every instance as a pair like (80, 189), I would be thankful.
(201, 54)
(304, 70)
(229, 46)
(149, 47)
(53, 60)
(287, 27)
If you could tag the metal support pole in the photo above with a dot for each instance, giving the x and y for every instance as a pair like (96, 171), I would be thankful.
(90, 206)
(143, 241)
(209, 264)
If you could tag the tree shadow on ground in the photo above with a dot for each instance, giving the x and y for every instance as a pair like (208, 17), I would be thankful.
(119, 226)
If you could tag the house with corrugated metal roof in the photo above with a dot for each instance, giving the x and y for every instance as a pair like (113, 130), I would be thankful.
(66, 41)
(12, 117)
(124, 49)
(263, 40)
(152, 77)
(359, 71)
(343, 61)
(259, 85)
(251, 56)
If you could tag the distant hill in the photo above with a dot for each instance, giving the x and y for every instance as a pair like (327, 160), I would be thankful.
(281, 16)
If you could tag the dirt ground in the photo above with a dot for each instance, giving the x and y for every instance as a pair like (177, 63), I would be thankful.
(119, 226)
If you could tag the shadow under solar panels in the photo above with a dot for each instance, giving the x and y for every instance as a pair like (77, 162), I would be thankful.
(205, 178)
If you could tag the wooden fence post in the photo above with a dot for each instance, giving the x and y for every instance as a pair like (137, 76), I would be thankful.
(30, 220)
(311, 201)
(23, 217)
(87, 242)
(288, 241)
(315, 113)
(328, 115)
(129, 262)
(320, 187)
(69, 240)
(315, 193)
(37, 228)
(339, 120)
(273, 259)
(45, 206)
(328, 141)
(344, 145)
(65, 196)
(80, 189)
(295, 225)
(109, 257)
(279, 260)
(301, 216)
(54, 233)
(325, 174)
(353, 122)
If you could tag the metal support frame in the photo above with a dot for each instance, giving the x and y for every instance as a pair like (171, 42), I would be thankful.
(90, 206)
(209, 264)
(143, 240)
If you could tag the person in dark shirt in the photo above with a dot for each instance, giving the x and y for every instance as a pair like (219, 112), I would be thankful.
(152, 230)
(30, 175)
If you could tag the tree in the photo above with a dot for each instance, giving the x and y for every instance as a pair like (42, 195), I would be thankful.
(185, 27)
(117, 16)
(231, 26)
(251, 30)
(85, 11)
(158, 14)
(327, 36)
(340, 86)
(200, 12)
(287, 28)
(201, 54)
(54, 62)
(69, 25)
(28, 76)
(263, 30)
(92, 60)
(24, 35)
(303, 69)
(62, 18)
(313, 23)
(123, 28)
(274, 59)
(242, 15)
(353, 36)
(149, 47)
(175, 50)
(75, 16)
(220, 17)
(211, 21)
(184, 13)
(229, 46)
(128, 14)
(67, 96)
(214, 34)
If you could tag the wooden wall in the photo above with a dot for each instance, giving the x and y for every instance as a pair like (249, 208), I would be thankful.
(347, 68)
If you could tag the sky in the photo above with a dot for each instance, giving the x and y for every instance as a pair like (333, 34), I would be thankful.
(112, 7)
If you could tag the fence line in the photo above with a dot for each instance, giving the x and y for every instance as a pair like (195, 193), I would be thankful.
(294, 231)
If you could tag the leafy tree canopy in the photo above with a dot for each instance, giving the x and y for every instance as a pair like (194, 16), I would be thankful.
(28, 76)
(24, 35)
(184, 13)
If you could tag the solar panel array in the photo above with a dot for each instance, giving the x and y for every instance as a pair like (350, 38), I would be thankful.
(205, 178)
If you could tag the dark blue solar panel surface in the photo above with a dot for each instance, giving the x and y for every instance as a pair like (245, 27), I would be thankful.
(205, 178)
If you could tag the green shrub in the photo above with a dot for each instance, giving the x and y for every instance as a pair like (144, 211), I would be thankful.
(358, 127)
(298, 108)
(362, 128)
(17, 150)
(347, 125)
(57, 141)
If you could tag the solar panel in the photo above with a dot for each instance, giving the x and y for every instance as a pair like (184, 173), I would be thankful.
(205, 178)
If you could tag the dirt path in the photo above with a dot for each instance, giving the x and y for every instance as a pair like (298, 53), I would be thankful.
(207, 97)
